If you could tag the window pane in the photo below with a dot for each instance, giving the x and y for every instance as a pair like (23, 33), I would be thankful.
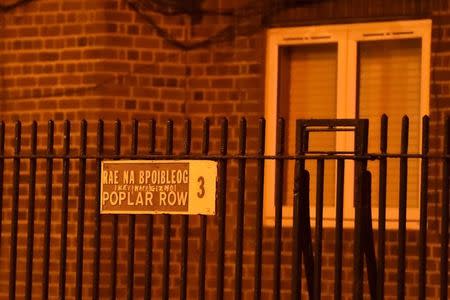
(307, 89)
(390, 73)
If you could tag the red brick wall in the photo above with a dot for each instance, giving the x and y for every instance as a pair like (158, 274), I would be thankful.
(99, 59)
(74, 60)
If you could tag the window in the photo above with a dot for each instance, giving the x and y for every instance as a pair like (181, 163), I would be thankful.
(312, 72)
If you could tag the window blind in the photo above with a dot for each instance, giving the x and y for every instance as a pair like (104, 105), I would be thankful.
(308, 75)
(390, 73)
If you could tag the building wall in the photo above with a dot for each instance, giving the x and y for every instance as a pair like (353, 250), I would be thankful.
(99, 59)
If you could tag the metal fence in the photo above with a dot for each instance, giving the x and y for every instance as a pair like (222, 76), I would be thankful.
(306, 247)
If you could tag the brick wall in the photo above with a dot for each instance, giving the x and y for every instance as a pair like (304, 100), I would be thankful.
(99, 59)
(80, 60)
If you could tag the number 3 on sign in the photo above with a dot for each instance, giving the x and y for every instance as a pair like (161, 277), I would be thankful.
(201, 186)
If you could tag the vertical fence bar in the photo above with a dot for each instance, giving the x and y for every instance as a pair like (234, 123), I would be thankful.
(318, 233)
(259, 206)
(31, 206)
(64, 208)
(367, 235)
(445, 211)
(132, 221)
(149, 225)
(279, 172)
(423, 208)
(115, 218)
(402, 211)
(382, 208)
(339, 229)
(185, 221)
(361, 133)
(2, 167)
(240, 210)
(97, 216)
(221, 207)
(48, 209)
(203, 223)
(301, 230)
(14, 211)
(167, 223)
(80, 209)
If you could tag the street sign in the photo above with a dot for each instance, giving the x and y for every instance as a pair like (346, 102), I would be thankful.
(158, 187)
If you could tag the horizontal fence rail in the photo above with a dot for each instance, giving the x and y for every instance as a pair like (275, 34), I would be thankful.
(275, 233)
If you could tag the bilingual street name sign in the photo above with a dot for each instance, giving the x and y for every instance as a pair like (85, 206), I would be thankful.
(158, 187)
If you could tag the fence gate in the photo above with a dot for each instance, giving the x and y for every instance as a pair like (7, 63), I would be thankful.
(54, 242)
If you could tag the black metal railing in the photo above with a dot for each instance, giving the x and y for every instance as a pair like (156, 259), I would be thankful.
(306, 246)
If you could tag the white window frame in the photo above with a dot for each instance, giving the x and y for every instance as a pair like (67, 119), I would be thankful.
(346, 37)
